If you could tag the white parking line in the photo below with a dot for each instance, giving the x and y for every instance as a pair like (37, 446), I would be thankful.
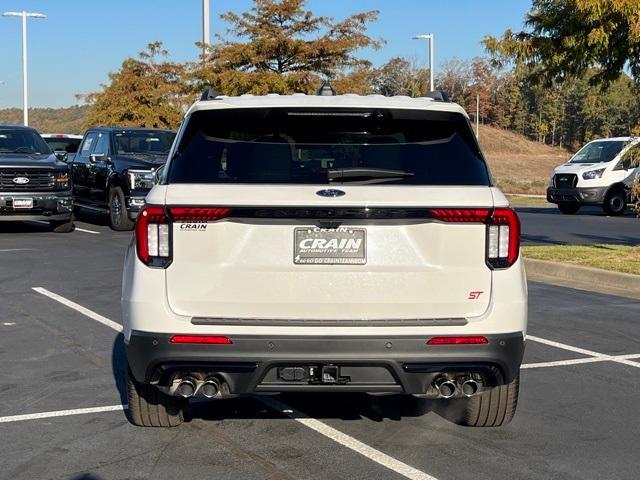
(79, 308)
(76, 228)
(348, 441)
(591, 353)
(61, 413)
(87, 231)
(578, 361)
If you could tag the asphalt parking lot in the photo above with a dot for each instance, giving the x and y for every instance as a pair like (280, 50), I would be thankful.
(546, 225)
(61, 397)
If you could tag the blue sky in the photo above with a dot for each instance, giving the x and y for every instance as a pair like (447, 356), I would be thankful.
(81, 41)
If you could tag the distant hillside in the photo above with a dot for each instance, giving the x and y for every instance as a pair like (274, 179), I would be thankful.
(518, 164)
(48, 120)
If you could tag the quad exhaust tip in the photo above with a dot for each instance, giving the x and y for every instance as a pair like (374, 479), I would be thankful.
(211, 387)
(446, 388)
(186, 387)
(470, 388)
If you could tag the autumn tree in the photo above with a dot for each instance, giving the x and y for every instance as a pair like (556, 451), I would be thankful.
(563, 39)
(400, 76)
(147, 91)
(280, 47)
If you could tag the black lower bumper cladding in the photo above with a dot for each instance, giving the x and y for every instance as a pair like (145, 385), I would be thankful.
(253, 364)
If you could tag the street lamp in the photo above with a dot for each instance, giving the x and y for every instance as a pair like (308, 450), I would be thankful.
(205, 29)
(430, 38)
(24, 15)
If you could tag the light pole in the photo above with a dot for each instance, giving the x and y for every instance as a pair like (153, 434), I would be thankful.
(429, 37)
(205, 29)
(25, 94)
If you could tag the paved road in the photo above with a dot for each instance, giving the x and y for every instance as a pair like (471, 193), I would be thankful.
(543, 226)
(577, 418)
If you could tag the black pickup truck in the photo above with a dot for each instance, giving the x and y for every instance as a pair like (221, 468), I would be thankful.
(34, 184)
(115, 168)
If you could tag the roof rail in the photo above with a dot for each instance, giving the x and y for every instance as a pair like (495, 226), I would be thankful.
(326, 90)
(209, 94)
(438, 95)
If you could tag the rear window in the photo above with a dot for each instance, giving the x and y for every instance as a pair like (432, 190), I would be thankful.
(328, 146)
(69, 145)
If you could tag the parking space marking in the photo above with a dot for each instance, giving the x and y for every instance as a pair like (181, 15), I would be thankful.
(62, 413)
(79, 308)
(583, 351)
(76, 228)
(578, 361)
(347, 441)
(87, 231)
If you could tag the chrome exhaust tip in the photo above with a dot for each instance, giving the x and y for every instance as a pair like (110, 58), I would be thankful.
(211, 387)
(186, 387)
(470, 388)
(446, 388)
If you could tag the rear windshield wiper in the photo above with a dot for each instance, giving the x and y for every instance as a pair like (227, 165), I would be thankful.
(366, 175)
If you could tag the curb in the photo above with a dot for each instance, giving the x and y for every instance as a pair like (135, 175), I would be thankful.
(583, 278)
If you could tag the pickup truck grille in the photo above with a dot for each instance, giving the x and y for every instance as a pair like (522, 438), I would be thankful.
(565, 180)
(39, 180)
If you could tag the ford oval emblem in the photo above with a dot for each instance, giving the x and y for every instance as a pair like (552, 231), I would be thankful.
(20, 180)
(330, 192)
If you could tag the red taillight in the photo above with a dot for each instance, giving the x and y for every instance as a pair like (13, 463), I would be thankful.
(154, 229)
(198, 214)
(503, 231)
(153, 232)
(201, 339)
(461, 215)
(503, 238)
(461, 340)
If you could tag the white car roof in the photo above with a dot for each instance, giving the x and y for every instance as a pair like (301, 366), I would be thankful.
(61, 135)
(317, 101)
(613, 139)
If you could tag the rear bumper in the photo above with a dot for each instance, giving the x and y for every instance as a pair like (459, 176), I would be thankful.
(46, 206)
(583, 195)
(373, 364)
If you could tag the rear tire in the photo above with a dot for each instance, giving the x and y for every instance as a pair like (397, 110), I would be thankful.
(493, 408)
(615, 202)
(149, 407)
(64, 226)
(118, 218)
(569, 208)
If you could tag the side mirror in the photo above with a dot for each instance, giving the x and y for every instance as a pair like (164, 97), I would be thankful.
(98, 157)
(158, 174)
(61, 155)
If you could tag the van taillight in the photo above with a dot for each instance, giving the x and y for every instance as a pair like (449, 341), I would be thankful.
(503, 231)
(153, 237)
(503, 238)
(154, 229)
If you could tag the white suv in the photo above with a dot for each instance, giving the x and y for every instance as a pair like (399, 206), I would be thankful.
(324, 244)
(599, 174)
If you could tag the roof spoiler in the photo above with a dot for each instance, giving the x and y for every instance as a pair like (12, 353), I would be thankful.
(438, 95)
(210, 94)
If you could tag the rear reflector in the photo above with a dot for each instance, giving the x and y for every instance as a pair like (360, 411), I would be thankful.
(465, 340)
(198, 214)
(463, 215)
(201, 339)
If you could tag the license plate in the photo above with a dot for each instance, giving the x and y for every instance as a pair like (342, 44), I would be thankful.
(23, 203)
(330, 246)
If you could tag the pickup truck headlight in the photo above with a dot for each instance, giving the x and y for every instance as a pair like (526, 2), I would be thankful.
(61, 181)
(141, 179)
(593, 174)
